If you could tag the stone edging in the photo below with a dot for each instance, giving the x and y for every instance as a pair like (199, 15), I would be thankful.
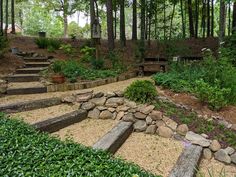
(113, 105)
(89, 84)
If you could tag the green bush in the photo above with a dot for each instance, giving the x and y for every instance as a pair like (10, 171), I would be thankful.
(88, 54)
(27, 152)
(71, 70)
(215, 96)
(68, 49)
(141, 91)
(57, 66)
(44, 43)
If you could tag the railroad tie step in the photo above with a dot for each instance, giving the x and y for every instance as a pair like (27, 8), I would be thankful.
(36, 59)
(37, 64)
(57, 123)
(113, 140)
(187, 164)
(23, 78)
(23, 91)
(34, 70)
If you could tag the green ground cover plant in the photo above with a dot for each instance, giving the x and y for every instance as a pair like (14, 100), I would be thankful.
(26, 152)
(213, 80)
(143, 91)
(197, 124)
(48, 43)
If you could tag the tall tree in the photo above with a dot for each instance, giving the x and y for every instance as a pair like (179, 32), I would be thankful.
(229, 18)
(208, 18)
(92, 16)
(196, 17)
(234, 19)
(1, 17)
(203, 19)
(172, 18)
(182, 18)
(143, 13)
(6, 17)
(13, 17)
(134, 25)
(191, 24)
(222, 20)
(122, 23)
(212, 18)
(111, 44)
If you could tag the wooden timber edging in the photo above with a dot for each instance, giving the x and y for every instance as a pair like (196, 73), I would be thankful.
(29, 105)
(57, 123)
(187, 164)
(90, 84)
(114, 138)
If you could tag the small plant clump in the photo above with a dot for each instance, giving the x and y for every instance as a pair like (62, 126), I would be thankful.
(48, 43)
(142, 91)
(27, 152)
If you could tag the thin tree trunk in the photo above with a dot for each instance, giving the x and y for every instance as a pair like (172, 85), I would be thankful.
(222, 21)
(212, 18)
(203, 19)
(155, 30)
(191, 24)
(13, 17)
(92, 16)
(115, 19)
(234, 19)
(196, 17)
(208, 19)
(134, 26)
(1, 17)
(122, 23)
(6, 17)
(143, 13)
(229, 18)
(164, 19)
(111, 44)
(65, 20)
(171, 21)
(182, 18)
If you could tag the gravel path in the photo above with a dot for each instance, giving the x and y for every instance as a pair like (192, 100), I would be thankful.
(216, 168)
(44, 113)
(104, 88)
(153, 153)
(87, 132)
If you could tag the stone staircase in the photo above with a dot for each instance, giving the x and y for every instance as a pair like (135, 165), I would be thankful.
(27, 80)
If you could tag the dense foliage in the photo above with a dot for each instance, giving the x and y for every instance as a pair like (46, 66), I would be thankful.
(45, 43)
(212, 80)
(142, 91)
(26, 152)
(3, 45)
(73, 70)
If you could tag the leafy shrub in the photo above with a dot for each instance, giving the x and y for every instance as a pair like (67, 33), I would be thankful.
(215, 96)
(44, 43)
(71, 70)
(27, 152)
(97, 63)
(57, 66)
(141, 91)
(88, 54)
(68, 49)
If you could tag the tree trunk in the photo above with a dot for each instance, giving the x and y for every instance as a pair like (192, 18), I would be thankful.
(65, 20)
(182, 18)
(115, 18)
(208, 19)
(171, 21)
(164, 19)
(1, 17)
(196, 17)
(111, 44)
(203, 18)
(234, 19)
(229, 18)
(191, 24)
(6, 17)
(122, 23)
(143, 13)
(212, 18)
(13, 17)
(92, 16)
(134, 26)
(222, 21)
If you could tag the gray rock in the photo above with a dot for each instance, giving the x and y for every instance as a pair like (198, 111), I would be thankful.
(215, 146)
(233, 158)
(122, 108)
(88, 106)
(84, 97)
(102, 108)
(156, 115)
(120, 115)
(165, 132)
(132, 110)
(98, 95)
(140, 115)
(151, 129)
(110, 94)
(119, 93)
(229, 150)
(130, 104)
(148, 120)
(147, 109)
(182, 129)
(112, 110)
(129, 118)
(68, 99)
(170, 123)
(222, 156)
(160, 123)
(197, 139)
(204, 135)
(99, 101)
(207, 154)
(140, 126)
(114, 102)
(94, 114)
(106, 115)
(114, 115)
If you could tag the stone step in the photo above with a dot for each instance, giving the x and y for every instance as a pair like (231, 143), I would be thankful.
(57, 123)
(187, 164)
(30, 70)
(29, 105)
(24, 91)
(113, 140)
(23, 78)
(35, 59)
(36, 64)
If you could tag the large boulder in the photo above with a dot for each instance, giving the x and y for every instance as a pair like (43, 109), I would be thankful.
(182, 129)
(129, 118)
(170, 123)
(197, 139)
(156, 115)
(146, 109)
(140, 115)
(140, 126)
(88, 106)
(122, 108)
(114, 102)
(106, 115)
(215, 146)
(222, 156)
(165, 132)
(84, 97)
(94, 114)
(99, 101)
(151, 129)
